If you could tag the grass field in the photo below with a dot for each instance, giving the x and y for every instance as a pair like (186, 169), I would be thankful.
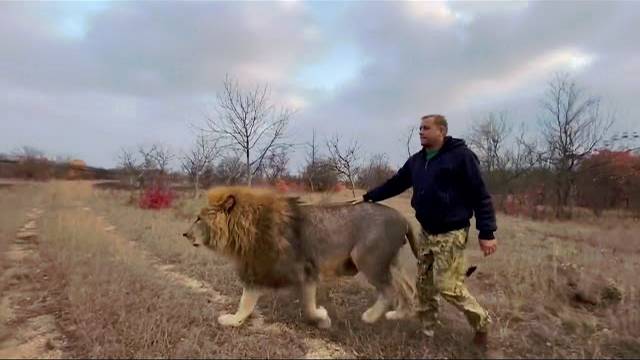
(118, 281)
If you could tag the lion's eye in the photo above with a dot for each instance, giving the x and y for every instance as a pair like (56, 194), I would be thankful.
(198, 219)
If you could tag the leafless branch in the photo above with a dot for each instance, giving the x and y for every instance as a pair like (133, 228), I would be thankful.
(573, 126)
(248, 122)
(344, 159)
(199, 158)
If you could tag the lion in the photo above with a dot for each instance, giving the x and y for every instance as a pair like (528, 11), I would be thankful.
(276, 241)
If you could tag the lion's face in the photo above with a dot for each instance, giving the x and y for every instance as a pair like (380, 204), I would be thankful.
(210, 227)
(198, 233)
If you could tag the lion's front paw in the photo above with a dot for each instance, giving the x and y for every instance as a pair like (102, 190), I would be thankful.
(229, 320)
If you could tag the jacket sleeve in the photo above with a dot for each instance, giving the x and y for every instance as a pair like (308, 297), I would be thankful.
(398, 183)
(480, 198)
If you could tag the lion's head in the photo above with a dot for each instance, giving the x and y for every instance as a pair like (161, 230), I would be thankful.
(241, 222)
(199, 232)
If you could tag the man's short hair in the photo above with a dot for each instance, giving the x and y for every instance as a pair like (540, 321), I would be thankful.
(438, 120)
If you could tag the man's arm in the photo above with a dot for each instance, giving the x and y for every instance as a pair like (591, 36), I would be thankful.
(398, 183)
(480, 198)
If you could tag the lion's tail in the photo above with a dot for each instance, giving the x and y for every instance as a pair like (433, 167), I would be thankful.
(403, 281)
(411, 237)
(404, 285)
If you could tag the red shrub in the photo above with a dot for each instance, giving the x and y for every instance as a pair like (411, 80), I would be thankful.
(608, 179)
(288, 186)
(156, 198)
(282, 186)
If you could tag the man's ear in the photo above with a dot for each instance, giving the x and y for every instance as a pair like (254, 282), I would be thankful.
(229, 203)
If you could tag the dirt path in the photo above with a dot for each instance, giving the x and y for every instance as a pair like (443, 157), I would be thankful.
(316, 347)
(27, 329)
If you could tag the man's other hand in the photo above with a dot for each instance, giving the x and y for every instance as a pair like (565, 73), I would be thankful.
(488, 247)
(356, 201)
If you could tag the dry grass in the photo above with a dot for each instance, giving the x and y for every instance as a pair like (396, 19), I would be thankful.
(15, 199)
(160, 233)
(14, 202)
(524, 286)
(115, 304)
(534, 306)
(605, 233)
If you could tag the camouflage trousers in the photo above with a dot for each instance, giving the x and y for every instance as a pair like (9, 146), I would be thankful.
(441, 271)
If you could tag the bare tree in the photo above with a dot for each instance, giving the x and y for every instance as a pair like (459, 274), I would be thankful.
(155, 162)
(33, 163)
(488, 138)
(312, 156)
(376, 172)
(344, 159)
(504, 155)
(162, 156)
(229, 170)
(275, 165)
(526, 155)
(248, 122)
(198, 159)
(148, 161)
(323, 173)
(410, 137)
(130, 165)
(572, 126)
(318, 172)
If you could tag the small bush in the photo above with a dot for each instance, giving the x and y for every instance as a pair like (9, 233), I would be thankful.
(156, 197)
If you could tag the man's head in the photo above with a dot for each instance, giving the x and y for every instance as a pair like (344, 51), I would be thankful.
(433, 129)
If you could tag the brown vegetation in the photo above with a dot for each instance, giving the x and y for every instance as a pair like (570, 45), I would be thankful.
(554, 289)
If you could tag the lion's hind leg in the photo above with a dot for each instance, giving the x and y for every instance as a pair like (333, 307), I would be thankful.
(372, 266)
(384, 301)
(406, 294)
(317, 314)
(247, 304)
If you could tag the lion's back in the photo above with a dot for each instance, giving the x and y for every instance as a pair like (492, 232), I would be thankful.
(343, 226)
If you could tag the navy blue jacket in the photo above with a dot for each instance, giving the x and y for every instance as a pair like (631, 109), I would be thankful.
(447, 190)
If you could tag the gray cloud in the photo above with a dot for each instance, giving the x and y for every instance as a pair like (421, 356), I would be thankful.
(144, 70)
(158, 48)
(420, 66)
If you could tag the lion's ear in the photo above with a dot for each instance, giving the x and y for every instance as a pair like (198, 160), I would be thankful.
(229, 203)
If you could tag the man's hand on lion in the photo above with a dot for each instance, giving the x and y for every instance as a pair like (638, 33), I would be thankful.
(357, 201)
(488, 247)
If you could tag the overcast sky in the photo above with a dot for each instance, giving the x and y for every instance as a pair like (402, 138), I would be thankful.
(84, 79)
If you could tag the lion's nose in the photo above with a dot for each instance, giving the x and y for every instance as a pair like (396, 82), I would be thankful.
(196, 244)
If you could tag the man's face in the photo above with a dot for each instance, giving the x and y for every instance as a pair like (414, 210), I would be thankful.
(431, 135)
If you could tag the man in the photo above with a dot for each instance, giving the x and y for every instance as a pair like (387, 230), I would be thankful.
(447, 190)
